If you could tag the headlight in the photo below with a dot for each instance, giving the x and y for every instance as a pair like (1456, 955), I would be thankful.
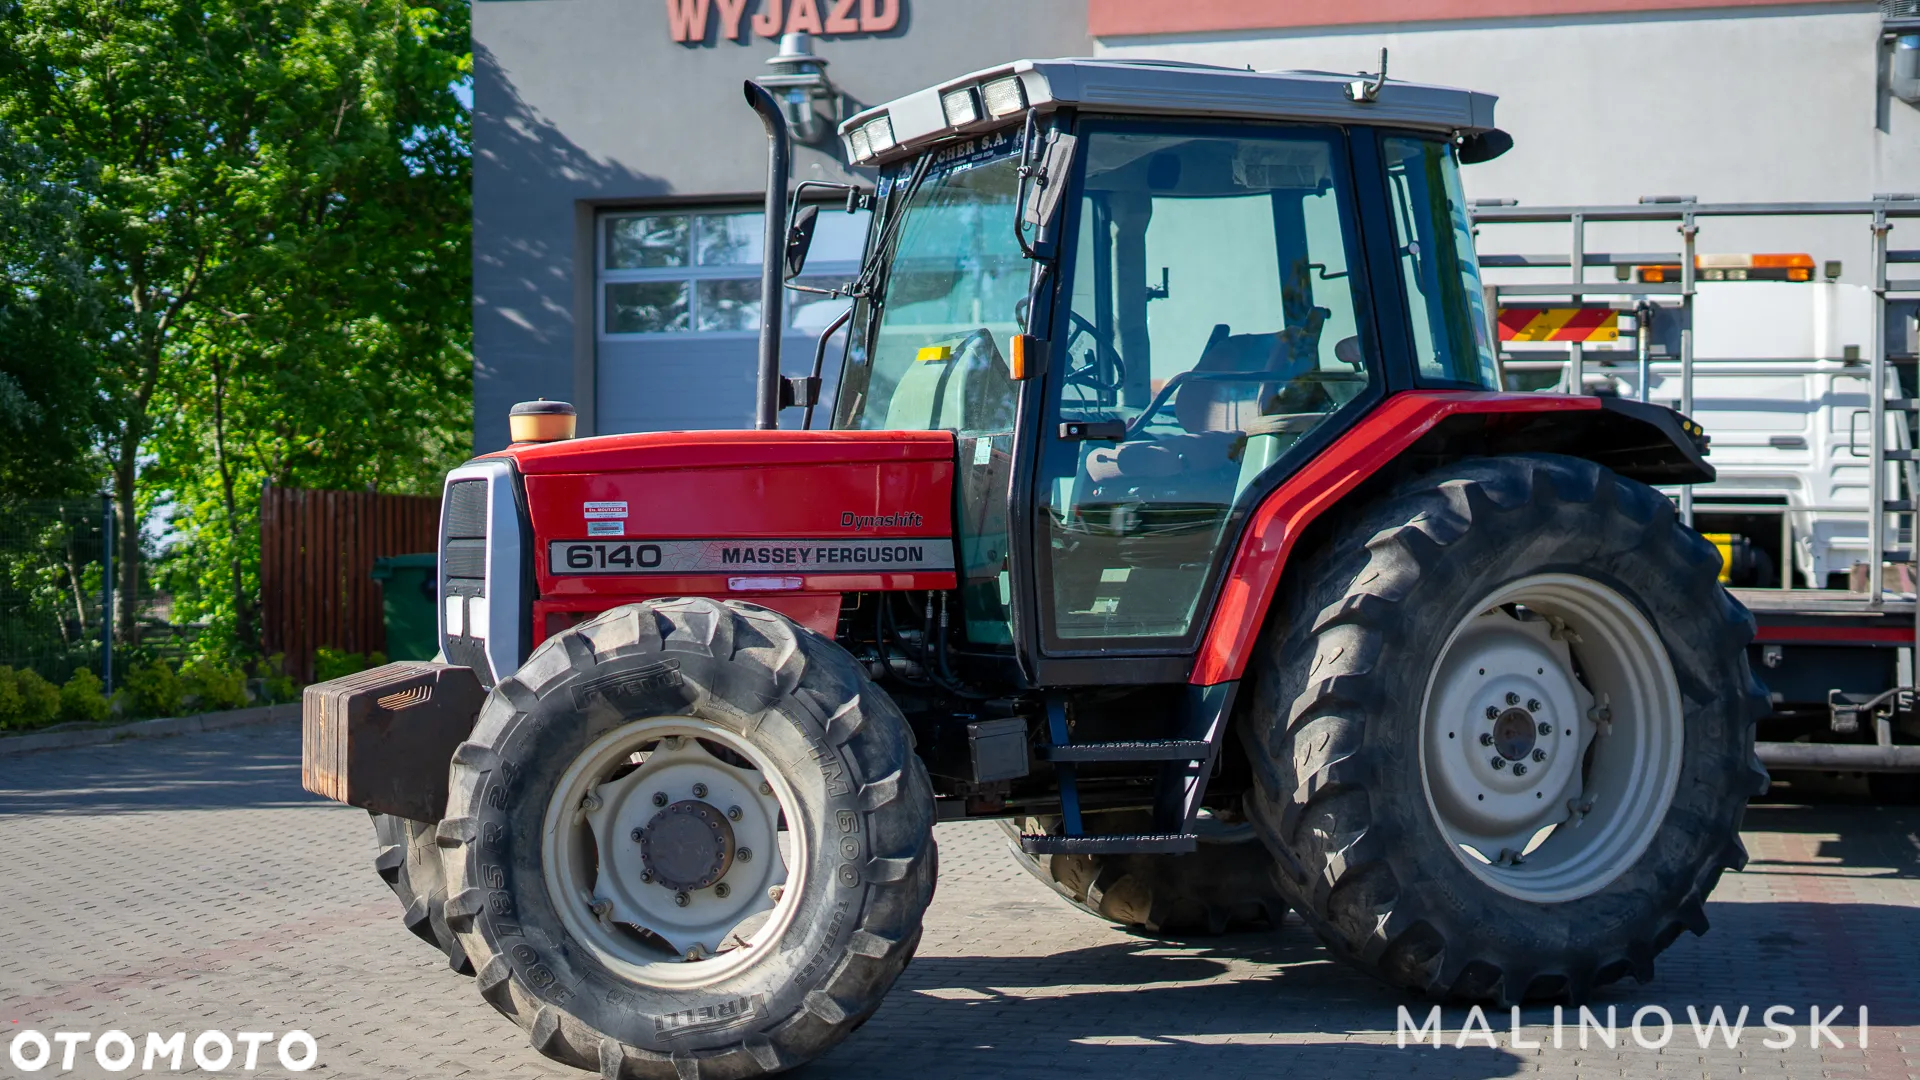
(1004, 97)
(960, 106)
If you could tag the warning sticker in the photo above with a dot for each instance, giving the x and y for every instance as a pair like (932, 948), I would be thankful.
(734, 556)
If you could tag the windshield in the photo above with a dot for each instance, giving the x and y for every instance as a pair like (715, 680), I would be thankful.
(931, 350)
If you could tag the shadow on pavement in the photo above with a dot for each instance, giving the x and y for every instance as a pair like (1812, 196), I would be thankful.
(1114, 1009)
(227, 770)
(1885, 839)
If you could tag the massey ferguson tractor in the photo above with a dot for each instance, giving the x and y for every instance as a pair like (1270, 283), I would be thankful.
(1168, 514)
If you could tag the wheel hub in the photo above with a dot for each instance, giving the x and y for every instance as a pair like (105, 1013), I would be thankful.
(669, 845)
(1551, 737)
(687, 846)
(1513, 734)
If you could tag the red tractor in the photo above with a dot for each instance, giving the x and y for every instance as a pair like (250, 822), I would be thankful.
(1168, 513)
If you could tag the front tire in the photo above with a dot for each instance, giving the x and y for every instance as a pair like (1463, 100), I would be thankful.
(688, 838)
(408, 860)
(1534, 613)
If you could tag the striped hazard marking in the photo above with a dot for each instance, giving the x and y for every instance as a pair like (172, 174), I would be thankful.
(1559, 324)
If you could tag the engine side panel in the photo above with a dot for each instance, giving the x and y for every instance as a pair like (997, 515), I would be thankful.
(789, 523)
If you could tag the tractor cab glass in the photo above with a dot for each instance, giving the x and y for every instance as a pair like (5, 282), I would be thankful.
(932, 339)
(1215, 320)
(1433, 243)
(946, 301)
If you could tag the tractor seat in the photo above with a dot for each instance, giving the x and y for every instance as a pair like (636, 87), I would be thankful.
(1215, 417)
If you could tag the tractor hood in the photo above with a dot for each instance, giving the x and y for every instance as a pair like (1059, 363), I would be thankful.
(788, 519)
(726, 449)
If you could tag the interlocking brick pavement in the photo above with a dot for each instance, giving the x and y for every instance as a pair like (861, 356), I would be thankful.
(188, 883)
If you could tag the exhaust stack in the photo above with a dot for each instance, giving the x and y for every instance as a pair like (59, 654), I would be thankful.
(766, 400)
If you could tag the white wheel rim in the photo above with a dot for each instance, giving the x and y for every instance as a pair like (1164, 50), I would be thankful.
(1565, 684)
(667, 862)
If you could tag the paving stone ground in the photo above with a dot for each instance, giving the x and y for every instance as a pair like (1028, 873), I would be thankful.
(188, 884)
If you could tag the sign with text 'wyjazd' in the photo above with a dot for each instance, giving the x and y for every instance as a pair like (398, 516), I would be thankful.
(694, 22)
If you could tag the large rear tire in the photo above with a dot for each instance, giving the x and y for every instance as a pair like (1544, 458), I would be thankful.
(688, 838)
(1225, 886)
(1503, 732)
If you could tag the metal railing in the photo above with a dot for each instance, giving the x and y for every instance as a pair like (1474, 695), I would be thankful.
(1686, 214)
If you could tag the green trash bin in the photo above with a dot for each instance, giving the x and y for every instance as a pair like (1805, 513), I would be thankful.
(409, 599)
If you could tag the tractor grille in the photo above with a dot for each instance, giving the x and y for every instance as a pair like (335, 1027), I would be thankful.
(463, 566)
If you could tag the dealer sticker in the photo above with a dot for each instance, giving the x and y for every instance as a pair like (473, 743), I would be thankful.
(604, 510)
(733, 556)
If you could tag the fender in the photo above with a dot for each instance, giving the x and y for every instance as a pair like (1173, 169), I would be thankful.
(1649, 443)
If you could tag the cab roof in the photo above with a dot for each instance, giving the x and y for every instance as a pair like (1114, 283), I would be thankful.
(998, 96)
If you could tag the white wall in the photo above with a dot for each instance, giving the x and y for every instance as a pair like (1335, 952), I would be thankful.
(1773, 104)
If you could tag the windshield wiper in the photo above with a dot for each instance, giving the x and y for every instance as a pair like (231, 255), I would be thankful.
(868, 283)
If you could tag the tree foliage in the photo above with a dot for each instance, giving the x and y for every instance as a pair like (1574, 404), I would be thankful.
(275, 236)
(46, 316)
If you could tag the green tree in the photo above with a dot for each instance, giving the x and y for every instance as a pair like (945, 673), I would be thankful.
(47, 318)
(278, 237)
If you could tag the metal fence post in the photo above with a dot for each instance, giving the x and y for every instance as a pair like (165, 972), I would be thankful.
(1877, 416)
(106, 593)
(1688, 234)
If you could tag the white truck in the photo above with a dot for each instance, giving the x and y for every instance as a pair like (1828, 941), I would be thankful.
(1777, 359)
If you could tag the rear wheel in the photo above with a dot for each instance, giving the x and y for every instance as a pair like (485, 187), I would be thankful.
(1506, 739)
(1226, 885)
(688, 838)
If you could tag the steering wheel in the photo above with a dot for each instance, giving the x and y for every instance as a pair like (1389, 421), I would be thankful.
(1088, 375)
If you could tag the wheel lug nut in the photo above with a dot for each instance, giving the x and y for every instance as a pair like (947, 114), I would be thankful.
(1486, 739)
(1493, 712)
(1533, 704)
(1519, 769)
(766, 788)
(775, 892)
(721, 890)
(733, 813)
(1513, 698)
(646, 877)
(699, 791)
(1499, 763)
(638, 835)
(659, 798)
(680, 899)
(1544, 728)
(744, 854)
(1539, 755)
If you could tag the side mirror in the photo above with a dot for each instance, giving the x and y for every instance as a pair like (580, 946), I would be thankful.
(1485, 146)
(800, 238)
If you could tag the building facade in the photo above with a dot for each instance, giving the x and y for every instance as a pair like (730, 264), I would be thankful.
(618, 171)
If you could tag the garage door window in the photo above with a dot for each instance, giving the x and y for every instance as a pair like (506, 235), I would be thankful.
(698, 272)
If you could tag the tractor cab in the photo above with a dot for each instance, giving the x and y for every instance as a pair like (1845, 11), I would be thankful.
(1138, 321)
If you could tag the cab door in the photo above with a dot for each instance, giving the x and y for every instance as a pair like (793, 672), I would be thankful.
(1213, 332)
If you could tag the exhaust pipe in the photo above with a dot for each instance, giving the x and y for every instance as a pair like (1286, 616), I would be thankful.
(766, 401)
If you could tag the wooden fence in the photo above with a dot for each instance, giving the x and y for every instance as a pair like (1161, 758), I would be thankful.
(316, 559)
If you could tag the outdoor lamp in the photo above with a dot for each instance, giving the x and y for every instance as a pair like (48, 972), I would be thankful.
(799, 80)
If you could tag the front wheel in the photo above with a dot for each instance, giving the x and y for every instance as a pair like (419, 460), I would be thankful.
(688, 838)
(1505, 739)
